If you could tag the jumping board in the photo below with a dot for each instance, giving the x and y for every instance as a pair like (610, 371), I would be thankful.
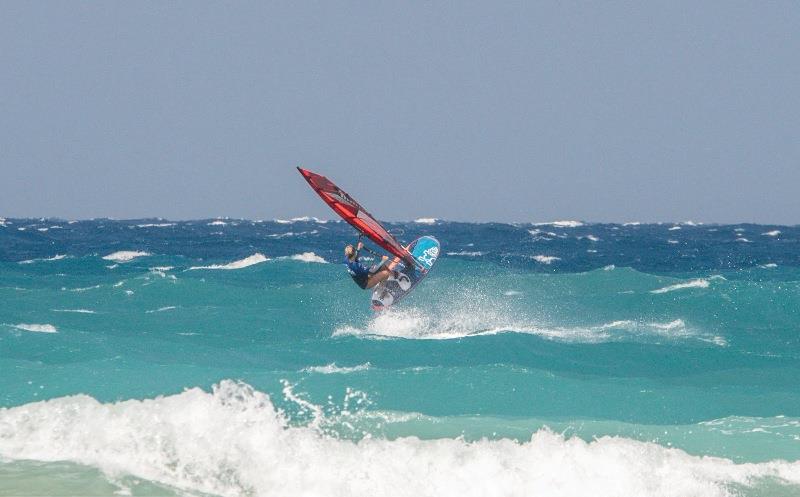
(425, 251)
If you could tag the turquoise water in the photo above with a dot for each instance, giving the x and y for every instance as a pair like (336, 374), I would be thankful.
(231, 357)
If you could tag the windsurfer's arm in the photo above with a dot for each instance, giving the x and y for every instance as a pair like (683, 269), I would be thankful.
(359, 246)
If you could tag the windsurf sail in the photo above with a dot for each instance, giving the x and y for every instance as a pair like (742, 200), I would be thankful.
(352, 212)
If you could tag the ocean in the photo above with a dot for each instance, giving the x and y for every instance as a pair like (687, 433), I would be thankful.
(237, 358)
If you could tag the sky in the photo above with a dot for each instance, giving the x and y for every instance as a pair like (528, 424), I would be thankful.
(471, 111)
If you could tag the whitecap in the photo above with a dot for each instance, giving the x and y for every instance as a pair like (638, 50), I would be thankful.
(36, 328)
(772, 233)
(78, 311)
(308, 257)
(161, 309)
(81, 289)
(332, 368)
(545, 259)
(425, 220)
(155, 225)
(290, 234)
(674, 228)
(241, 263)
(125, 255)
(218, 222)
(465, 253)
(697, 283)
(56, 257)
(561, 224)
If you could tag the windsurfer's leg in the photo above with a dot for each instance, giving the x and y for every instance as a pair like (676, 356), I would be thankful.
(382, 275)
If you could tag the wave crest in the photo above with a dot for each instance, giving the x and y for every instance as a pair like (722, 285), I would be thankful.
(256, 258)
(233, 441)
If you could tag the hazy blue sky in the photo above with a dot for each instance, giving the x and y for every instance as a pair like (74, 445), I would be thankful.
(527, 111)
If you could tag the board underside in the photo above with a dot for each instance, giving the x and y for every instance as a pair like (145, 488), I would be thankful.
(425, 251)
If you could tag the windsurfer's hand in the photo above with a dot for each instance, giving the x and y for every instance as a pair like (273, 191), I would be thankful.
(360, 245)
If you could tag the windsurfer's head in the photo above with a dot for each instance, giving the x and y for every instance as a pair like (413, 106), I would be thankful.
(350, 252)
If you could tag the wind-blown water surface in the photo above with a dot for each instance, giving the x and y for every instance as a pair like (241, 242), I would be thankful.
(235, 357)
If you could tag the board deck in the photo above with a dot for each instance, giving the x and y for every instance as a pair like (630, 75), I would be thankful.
(425, 251)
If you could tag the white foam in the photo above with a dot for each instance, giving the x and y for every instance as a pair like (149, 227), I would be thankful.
(465, 253)
(234, 442)
(772, 233)
(743, 239)
(81, 289)
(426, 220)
(512, 293)
(591, 238)
(218, 222)
(241, 263)
(301, 219)
(545, 259)
(561, 224)
(479, 316)
(37, 328)
(56, 257)
(332, 368)
(290, 234)
(308, 257)
(155, 225)
(610, 267)
(125, 255)
(673, 242)
(674, 228)
(42, 229)
(79, 311)
(632, 223)
(161, 309)
(3, 222)
(697, 283)
(542, 235)
(769, 265)
(739, 230)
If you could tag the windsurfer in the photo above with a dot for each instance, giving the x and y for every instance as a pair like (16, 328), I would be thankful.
(363, 276)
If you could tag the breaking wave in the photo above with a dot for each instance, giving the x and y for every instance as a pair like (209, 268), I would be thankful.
(36, 328)
(57, 257)
(234, 442)
(698, 283)
(125, 255)
(256, 258)
(332, 368)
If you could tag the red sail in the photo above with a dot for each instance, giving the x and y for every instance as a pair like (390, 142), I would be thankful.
(352, 212)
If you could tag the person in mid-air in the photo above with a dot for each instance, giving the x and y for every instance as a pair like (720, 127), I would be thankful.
(369, 277)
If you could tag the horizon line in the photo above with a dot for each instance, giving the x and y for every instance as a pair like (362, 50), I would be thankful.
(563, 223)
